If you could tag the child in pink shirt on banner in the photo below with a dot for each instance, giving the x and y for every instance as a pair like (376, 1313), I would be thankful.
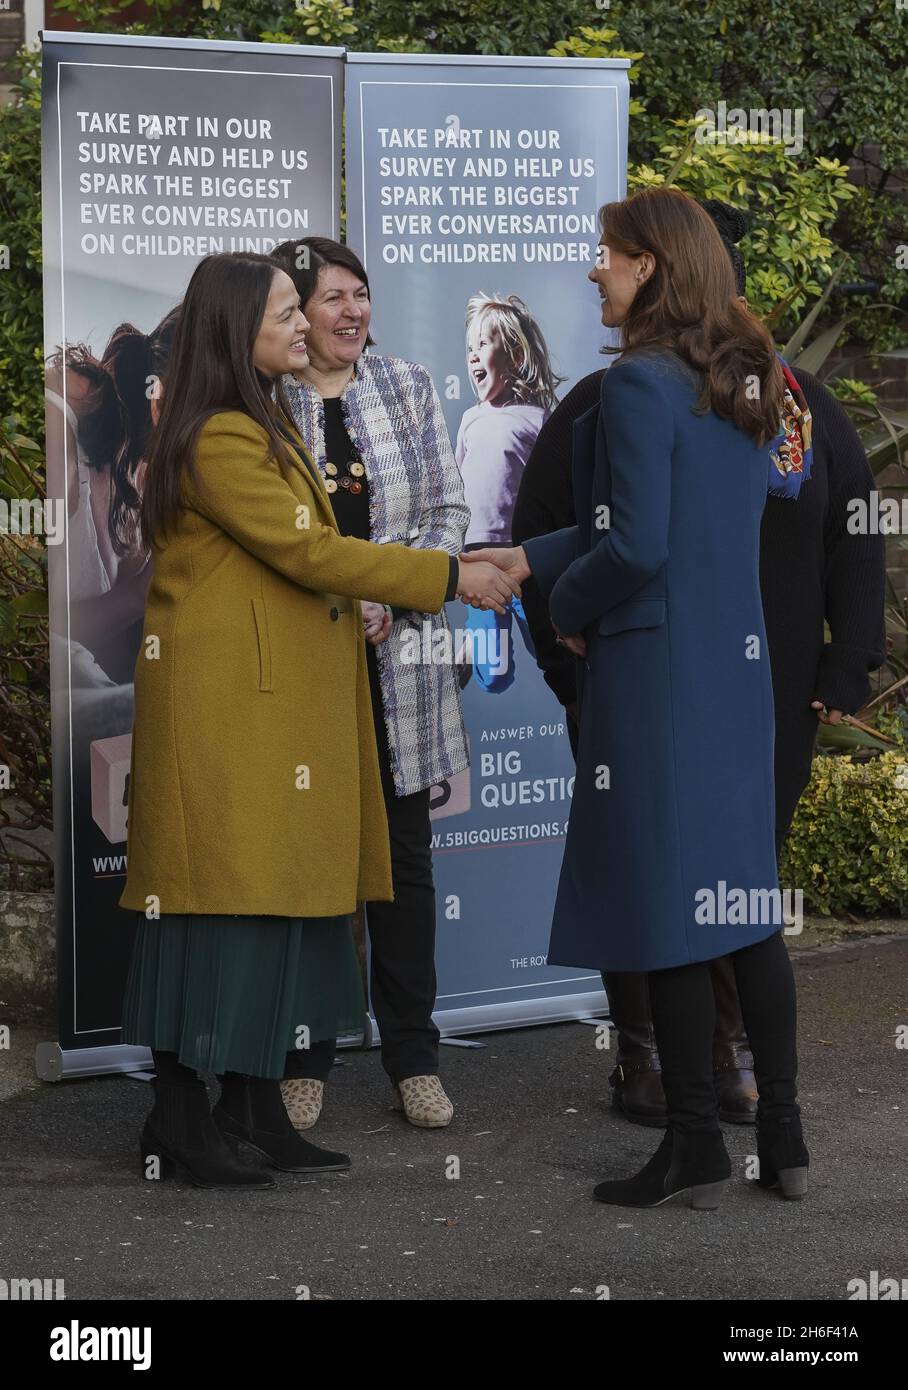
(512, 377)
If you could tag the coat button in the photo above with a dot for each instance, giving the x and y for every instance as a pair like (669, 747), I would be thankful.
(334, 615)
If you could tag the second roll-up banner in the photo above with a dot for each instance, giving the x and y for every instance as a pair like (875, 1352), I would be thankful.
(472, 191)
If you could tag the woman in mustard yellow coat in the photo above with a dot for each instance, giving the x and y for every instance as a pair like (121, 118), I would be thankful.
(256, 815)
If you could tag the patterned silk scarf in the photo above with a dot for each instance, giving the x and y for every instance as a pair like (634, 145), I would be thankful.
(791, 454)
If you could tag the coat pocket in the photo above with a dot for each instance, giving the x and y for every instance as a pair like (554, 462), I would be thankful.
(260, 614)
(635, 612)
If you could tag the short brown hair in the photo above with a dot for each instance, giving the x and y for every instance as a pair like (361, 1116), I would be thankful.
(320, 252)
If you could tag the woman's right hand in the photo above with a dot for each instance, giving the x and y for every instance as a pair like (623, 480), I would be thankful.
(483, 585)
(511, 559)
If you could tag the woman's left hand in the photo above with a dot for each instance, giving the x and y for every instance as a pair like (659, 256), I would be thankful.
(376, 623)
(826, 716)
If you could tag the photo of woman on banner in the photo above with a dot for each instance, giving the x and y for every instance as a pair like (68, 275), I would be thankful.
(107, 417)
(100, 416)
(514, 383)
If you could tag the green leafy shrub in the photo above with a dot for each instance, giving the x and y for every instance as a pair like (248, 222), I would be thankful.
(791, 206)
(21, 348)
(314, 21)
(844, 63)
(25, 785)
(848, 846)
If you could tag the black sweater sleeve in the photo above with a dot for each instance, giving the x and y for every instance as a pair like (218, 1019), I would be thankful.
(545, 503)
(453, 577)
(855, 565)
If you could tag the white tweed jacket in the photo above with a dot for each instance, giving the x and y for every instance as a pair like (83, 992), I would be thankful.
(393, 416)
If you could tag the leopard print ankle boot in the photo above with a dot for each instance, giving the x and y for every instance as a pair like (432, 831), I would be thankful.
(303, 1098)
(423, 1101)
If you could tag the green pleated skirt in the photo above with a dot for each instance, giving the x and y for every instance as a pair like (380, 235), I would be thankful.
(239, 993)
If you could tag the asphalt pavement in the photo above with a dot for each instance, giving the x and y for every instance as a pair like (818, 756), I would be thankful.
(532, 1134)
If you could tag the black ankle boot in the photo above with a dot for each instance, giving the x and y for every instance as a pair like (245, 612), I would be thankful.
(692, 1161)
(783, 1155)
(733, 1063)
(181, 1135)
(251, 1111)
(636, 1082)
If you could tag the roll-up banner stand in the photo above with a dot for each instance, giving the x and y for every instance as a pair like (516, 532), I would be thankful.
(472, 177)
(156, 153)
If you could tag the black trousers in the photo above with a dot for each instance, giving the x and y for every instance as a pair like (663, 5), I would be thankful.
(684, 1020)
(401, 935)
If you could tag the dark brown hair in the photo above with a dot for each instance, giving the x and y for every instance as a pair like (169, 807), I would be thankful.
(689, 306)
(131, 358)
(99, 422)
(305, 260)
(114, 426)
(210, 370)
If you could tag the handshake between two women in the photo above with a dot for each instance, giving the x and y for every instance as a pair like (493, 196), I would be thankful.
(489, 578)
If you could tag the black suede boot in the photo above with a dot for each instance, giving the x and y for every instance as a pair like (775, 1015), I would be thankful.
(181, 1135)
(694, 1162)
(768, 1002)
(691, 1158)
(783, 1155)
(251, 1111)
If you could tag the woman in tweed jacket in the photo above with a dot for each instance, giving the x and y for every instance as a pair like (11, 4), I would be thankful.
(374, 426)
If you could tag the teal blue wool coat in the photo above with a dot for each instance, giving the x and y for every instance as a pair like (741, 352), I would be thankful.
(672, 821)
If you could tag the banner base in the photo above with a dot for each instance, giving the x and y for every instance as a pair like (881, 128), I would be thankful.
(55, 1063)
(492, 1018)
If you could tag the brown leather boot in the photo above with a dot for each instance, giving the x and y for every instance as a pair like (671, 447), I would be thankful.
(736, 1085)
(636, 1082)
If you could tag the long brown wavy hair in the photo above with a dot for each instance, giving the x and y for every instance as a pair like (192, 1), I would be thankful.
(689, 306)
(210, 369)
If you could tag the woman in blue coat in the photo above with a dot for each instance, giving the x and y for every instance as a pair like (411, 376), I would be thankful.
(670, 857)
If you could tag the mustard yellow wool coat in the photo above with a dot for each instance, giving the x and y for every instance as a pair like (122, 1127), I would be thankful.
(254, 784)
